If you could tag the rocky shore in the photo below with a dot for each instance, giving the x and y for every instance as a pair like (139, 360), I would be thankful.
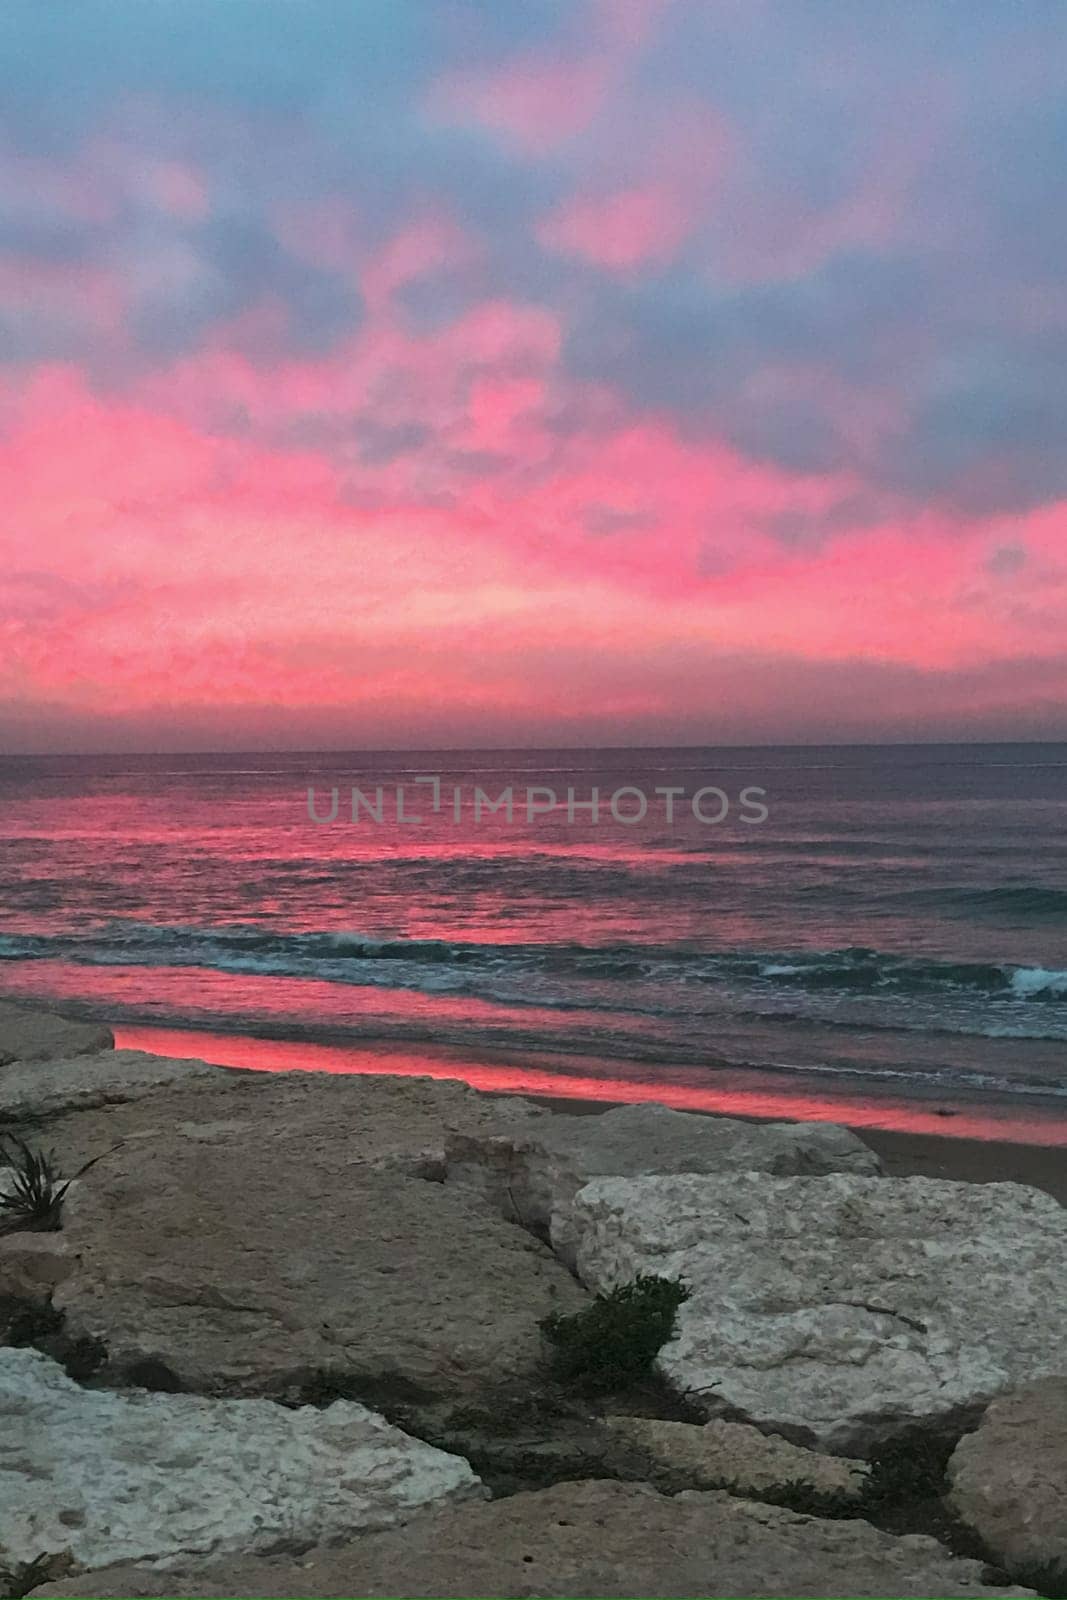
(288, 1334)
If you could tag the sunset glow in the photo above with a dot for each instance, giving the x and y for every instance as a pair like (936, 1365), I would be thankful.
(619, 372)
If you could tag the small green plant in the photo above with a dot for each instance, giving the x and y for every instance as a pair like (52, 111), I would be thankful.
(796, 1495)
(32, 1197)
(613, 1342)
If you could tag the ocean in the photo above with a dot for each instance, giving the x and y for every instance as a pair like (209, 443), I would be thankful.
(890, 935)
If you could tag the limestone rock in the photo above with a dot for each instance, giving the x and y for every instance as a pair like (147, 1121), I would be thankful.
(1009, 1479)
(722, 1454)
(246, 1266)
(144, 1477)
(535, 1169)
(27, 1035)
(42, 1088)
(390, 1122)
(589, 1538)
(839, 1308)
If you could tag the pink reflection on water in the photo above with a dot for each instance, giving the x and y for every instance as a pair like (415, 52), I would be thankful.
(563, 1079)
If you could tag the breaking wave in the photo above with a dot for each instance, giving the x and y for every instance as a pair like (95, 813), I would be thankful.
(355, 957)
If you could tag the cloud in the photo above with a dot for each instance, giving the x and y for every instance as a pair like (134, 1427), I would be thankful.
(631, 341)
(227, 266)
(1006, 560)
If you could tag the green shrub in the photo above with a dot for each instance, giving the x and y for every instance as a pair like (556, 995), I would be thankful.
(613, 1342)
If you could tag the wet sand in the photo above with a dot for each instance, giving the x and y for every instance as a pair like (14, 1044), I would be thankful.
(970, 1160)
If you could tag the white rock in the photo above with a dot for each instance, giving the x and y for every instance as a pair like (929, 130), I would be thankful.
(839, 1307)
(163, 1478)
(586, 1538)
(530, 1171)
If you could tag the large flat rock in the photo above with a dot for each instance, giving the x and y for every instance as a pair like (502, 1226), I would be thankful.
(1009, 1478)
(590, 1538)
(838, 1308)
(533, 1169)
(245, 1264)
(27, 1035)
(401, 1122)
(105, 1477)
(38, 1089)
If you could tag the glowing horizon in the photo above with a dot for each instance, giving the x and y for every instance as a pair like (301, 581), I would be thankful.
(613, 372)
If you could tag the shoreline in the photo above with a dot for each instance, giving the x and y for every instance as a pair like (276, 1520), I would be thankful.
(752, 1094)
(924, 1146)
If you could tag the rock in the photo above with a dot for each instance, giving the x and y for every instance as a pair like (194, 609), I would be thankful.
(534, 1169)
(153, 1478)
(39, 1089)
(539, 1451)
(731, 1454)
(589, 1538)
(837, 1309)
(251, 1265)
(1009, 1479)
(390, 1122)
(32, 1264)
(27, 1035)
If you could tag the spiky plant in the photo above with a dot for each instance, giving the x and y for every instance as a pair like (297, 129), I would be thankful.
(26, 1576)
(31, 1192)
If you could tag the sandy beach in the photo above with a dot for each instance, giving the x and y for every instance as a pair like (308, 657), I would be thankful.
(970, 1160)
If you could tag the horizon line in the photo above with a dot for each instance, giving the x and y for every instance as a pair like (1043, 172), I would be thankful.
(473, 749)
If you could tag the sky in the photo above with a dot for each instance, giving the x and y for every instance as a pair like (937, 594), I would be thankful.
(398, 373)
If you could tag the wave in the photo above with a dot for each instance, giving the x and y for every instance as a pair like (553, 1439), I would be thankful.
(436, 964)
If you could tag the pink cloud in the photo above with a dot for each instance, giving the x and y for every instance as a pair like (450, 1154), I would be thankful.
(642, 210)
(425, 245)
(620, 230)
(174, 187)
(173, 568)
(74, 301)
(538, 104)
(215, 540)
(542, 102)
